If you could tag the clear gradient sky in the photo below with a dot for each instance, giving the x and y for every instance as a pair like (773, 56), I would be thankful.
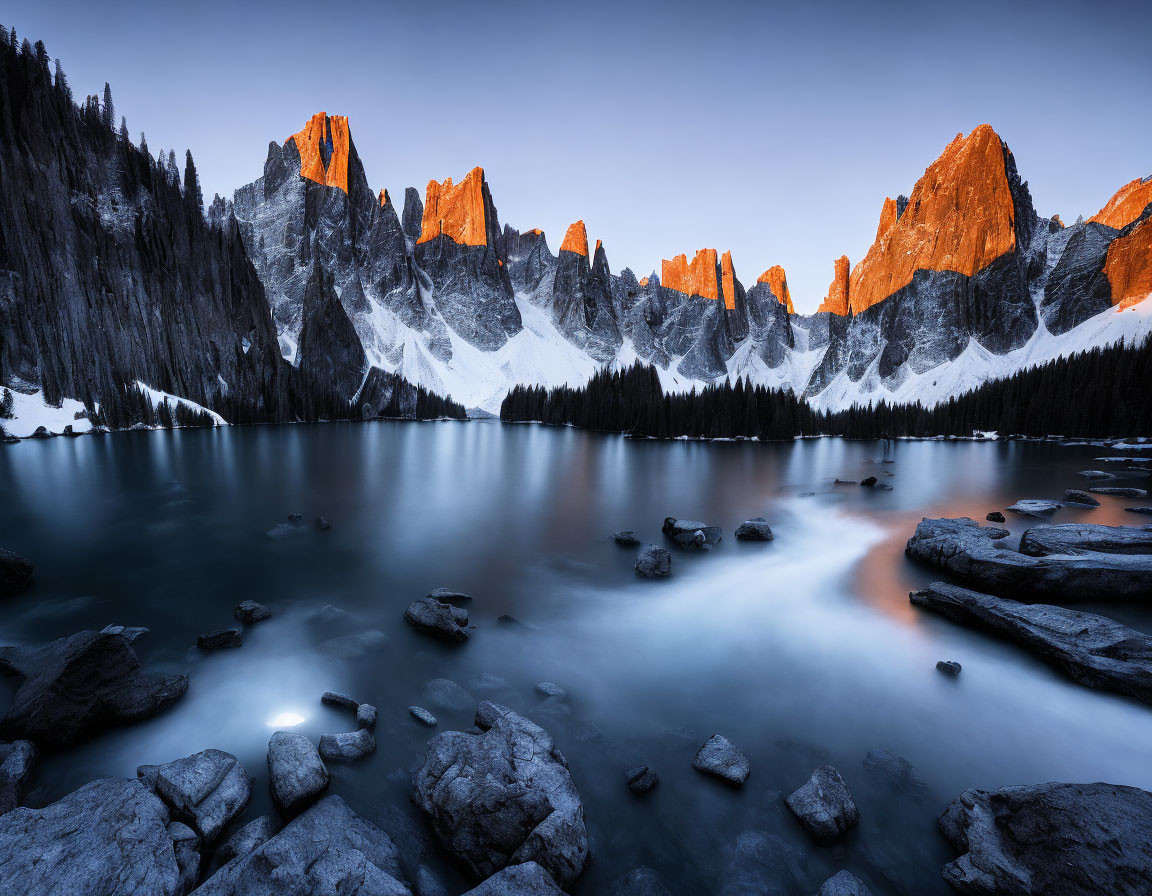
(772, 130)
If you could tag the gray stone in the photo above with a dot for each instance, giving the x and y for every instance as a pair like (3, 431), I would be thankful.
(1120, 492)
(347, 746)
(16, 760)
(447, 595)
(1071, 538)
(690, 533)
(340, 701)
(366, 716)
(110, 836)
(1070, 839)
(249, 612)
(205, 790)
(1144, 510)
(79, 685)
(549, 689)
(503, 797)
(977, 555)
(755, 529)
(247, 840)
(625, 538)
(328, 849)
(717, 756)
(322, 524)
(1096, 475)
(219, 640)
(654, 562)
(1079, 496)
(186, 849)
(421, 715)
(1093, 650)
(949, 667)
(641, 779)
(441, 620)
(844, 883)
(825, 806)
(1031, 507)
(995, 517)
(527, 879)
(15, 573)
(297, 773)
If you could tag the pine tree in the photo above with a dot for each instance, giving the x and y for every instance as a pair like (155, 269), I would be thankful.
(144, 146)
(62, 82)
(109, 109)
(124, 129)
(192, 192)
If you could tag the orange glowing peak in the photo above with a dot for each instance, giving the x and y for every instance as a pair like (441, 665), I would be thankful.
(728, 280)
(643, 281)
(384, 198)
(456, 211)
(778, 282)
(1056, 220)
(1128, 265)
(321, 130)
(960, 217)
(695, 279)
(576, 240)
(537, 231)
(1126, 206)
(837, 299)
(599, 245)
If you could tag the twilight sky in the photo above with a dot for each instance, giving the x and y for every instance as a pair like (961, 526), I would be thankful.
(666, 126)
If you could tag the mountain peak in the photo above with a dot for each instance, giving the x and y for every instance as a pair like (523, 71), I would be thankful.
(777, 281)
(960, 217)
(1126, 205)
(456, 210)
(837, 299)
(323, 145)
(695, 279)
(728, 280)
(576, 239)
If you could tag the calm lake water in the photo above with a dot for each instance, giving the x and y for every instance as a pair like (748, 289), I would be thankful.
(801, 651)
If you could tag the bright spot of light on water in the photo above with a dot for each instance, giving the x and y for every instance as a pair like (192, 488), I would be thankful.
(286, 720)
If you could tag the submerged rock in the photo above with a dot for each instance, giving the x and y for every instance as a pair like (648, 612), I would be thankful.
(1070, 538)
(16, 760)
(825, 806)
(1120, 492)
(1030, 507)
(503, 797)
(762, 864)
(219, 640)
(1092, 650)
(844, 883)
(347, 746)
(1079, 496)
(249, 612)
(755, 529)
(328, 849)
(549, 689)
(690, 533)
(949, 667)
(340, 701)
(298, 775)
(111, 836)
(421, 715)
(205, 790)
(977, 555)
(528, 879)
(441, 620)
(868, 482)
(1051, 838)
(654, 562)
(79, 685)
(15, 573)
(626, 538)
(717, 756)
(1096, 475)
(443, 693)
(641, 779)
(895, 773)
(639, 882)
(447, 595)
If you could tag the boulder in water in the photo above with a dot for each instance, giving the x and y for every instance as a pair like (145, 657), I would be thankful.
(995, 517)
(347, 746)
(223, 639)
(825, 806)
(718, 756)
(443, 621)
(949, 667)
(641, 779)
(297, 773)
(1032, 507)
(755, 529)
(205, 790)
(1079, 496)
(654, 562)
(16, 760)
(844, 883)
(691, 533)
(1120, 492)
(626, 538)
(249, 612)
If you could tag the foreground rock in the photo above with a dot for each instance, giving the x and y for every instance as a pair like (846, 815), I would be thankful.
(755, 529)
(528, 879)
(1079, 496)
(825, 806)
(1147, 511)
(205, 791)
(844, 883)
(297, 773)
(717, 756)
(327, 850)
(441, 620)
(503, 797)
(79, 685)
(246, 840)
(976, 554)
(690, 533)
(15, 573)
(112, 836)
(1051, 838)
(1092, 650)
(16, 760)
(1070, 538)
(1035, 508)
(654, 562)
(626, 538)
(249, 612)
(348, 746)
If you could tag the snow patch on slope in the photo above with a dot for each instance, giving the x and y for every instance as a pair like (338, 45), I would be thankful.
(30, 412)
(158, 398)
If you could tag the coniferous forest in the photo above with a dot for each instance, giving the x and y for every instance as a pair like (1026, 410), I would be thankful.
(1101, 393)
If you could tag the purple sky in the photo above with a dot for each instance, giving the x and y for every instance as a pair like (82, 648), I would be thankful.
(667, 127)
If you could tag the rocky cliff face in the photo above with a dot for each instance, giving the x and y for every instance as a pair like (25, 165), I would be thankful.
(836, 302)
(582, 306)
(1126, 205)
(1128, 262)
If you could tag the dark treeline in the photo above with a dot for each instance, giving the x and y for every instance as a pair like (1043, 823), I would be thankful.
(1101, 393)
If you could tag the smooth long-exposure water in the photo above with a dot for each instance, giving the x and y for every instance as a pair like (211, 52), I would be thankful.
(801, 651)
